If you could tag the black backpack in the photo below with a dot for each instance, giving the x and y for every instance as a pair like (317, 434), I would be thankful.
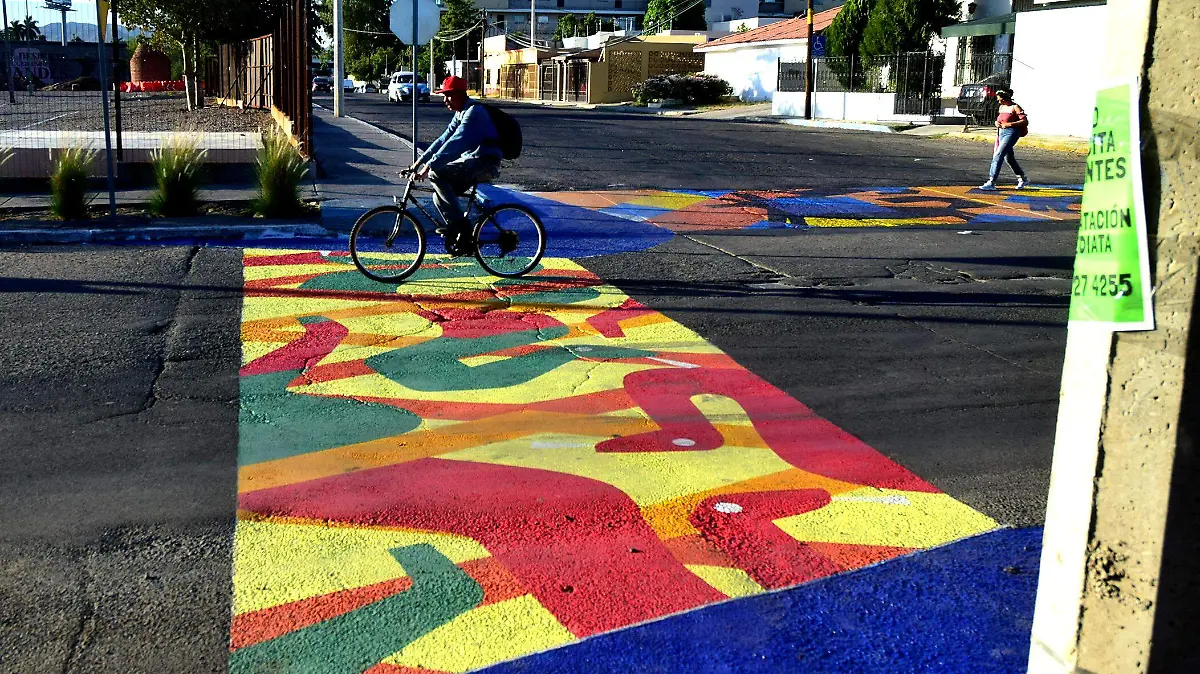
(509, 130)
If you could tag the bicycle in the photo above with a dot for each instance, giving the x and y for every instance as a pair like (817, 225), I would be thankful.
(388, 243)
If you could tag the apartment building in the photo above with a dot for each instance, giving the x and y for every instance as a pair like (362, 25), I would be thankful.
(515, 15)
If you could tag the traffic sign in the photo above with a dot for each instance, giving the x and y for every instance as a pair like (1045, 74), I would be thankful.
(818, 45)
(429, 19)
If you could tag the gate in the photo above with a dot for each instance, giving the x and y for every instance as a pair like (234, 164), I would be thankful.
(918, 86)
(577, 81)
(548, 87)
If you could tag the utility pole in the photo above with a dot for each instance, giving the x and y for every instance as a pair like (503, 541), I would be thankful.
(1117, 588)
(533, 23)
(482, 39)
(808, 66)
(432, 68)
(339, 63)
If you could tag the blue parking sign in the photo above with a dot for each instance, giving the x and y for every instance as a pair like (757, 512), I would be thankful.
(818, 45)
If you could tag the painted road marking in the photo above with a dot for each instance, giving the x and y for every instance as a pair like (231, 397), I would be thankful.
(464, 470)
(684, 211)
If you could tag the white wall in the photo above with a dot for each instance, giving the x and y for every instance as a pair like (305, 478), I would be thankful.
(753, 72)
(1055, 69)
(843, 106)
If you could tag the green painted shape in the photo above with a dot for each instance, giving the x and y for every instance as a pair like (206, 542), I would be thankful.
(565, 297)
(274, 423)
(352, 642)
(435, 365)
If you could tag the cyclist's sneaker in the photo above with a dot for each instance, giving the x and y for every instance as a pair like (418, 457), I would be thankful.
(459, 244)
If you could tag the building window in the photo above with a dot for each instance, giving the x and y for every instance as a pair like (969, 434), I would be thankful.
(560, 3)
(617, 4)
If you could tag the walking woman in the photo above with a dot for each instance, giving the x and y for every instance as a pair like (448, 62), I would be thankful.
(1011, 126)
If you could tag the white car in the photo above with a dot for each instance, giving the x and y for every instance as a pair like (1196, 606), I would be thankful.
(400, 88)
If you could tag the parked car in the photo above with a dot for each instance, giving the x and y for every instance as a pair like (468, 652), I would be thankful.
(348, 86)
(978, 100)
(367, 88)
(400, 88)
(322, 84)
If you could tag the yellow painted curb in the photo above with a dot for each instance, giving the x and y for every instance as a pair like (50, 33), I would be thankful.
(1079, 146)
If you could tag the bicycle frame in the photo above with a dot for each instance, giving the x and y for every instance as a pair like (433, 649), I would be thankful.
(408, 197)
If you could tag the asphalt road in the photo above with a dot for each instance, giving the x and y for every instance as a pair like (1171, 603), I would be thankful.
(568, 149)
(941, 350)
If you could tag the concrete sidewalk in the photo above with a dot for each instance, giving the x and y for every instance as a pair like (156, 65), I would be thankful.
(358, 167)
(988, 135)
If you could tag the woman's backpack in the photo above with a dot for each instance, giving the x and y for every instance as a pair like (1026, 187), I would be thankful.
(509, 130)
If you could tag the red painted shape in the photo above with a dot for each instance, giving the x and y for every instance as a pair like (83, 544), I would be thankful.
(335, 371)
(266, 624)
(580, 546)
(287, 259)
(497, 582)
(608, 322)
(790, 429)
(471, 323)
(751, 539)
(319, 340)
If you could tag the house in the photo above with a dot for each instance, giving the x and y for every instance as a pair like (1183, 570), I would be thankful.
(515, 15)
(1040, 48)
(749, 60)
(603, 71)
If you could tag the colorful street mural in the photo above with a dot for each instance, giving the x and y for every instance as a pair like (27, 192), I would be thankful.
(465, 470)
(686, 210)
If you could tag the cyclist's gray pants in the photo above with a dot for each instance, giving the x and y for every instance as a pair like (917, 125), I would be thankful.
(454, 178)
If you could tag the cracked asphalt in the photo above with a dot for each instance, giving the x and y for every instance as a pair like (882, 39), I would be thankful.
(119, 393)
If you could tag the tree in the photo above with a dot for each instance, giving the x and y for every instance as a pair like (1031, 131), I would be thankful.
(568, 26)
(666, 14)
(844, 36)
(189, 24)
(32, 32)
(898, 26)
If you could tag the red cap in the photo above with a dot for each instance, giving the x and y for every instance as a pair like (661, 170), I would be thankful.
(452, 83)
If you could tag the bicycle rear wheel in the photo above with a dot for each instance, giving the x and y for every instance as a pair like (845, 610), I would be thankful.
(509, 241)
(387, 244)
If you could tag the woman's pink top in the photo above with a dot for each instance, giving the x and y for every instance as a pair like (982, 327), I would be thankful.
(1009, 117)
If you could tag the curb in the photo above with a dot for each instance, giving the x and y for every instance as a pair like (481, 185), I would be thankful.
(1081, 147)
(601, 107)
(821, 124)
(229, 232)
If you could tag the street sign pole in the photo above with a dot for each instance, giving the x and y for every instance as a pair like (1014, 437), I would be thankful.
(339, 66)
(808, 66)
(112, 187)
(415, 47)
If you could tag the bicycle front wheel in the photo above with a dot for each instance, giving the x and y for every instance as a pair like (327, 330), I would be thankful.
(509, 241)
(387, 244)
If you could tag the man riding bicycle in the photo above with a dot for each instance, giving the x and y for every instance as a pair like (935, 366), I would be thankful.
(467, 152)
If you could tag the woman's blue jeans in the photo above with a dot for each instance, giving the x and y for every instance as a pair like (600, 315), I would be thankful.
(1004, 151)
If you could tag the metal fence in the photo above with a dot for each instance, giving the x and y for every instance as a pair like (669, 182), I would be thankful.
(992, 68)
(914, 77)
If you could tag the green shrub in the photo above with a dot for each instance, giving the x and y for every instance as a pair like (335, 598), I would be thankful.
(69, 183)
(280, 169)
(699, 89)
(177, 167)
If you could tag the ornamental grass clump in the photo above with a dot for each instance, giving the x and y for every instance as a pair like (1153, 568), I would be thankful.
(280, 169)
(177, 168)
(69, 183)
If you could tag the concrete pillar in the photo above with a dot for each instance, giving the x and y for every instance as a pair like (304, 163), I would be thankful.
(1120, 570)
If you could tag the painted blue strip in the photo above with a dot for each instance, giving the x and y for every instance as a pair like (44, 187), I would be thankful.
(966, 607)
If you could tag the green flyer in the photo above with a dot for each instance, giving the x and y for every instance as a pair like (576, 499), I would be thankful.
(1111, 284)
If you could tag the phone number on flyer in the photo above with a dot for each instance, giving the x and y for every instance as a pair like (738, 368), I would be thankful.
(1102, 285)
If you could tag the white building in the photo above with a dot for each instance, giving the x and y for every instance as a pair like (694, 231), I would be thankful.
(1040, 48)
(749, 60)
